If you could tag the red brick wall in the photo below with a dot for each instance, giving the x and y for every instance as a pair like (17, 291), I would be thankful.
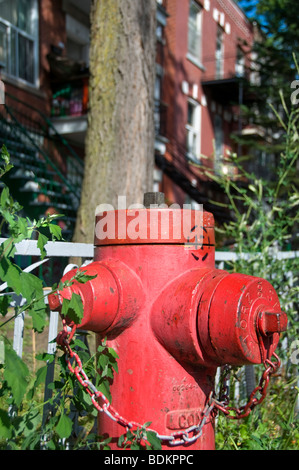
(178, 68)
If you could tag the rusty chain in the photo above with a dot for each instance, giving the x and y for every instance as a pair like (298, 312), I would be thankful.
(192, 433)
(253, 401)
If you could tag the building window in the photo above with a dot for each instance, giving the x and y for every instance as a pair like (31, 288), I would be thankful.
(240, 63)
(77, 40)
(194, 31)
(157, 97)
(193, 131)
(19, 39)
(218, 132)
(219, 53)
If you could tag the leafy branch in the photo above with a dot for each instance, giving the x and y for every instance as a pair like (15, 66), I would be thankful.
(21, 425)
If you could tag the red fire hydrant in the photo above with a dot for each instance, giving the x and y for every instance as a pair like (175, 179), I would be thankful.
(172, 318)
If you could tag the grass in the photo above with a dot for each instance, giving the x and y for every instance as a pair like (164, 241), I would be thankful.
(273, 425)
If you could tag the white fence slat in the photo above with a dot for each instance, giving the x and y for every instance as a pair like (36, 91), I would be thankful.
(19, 334)
(59, 249)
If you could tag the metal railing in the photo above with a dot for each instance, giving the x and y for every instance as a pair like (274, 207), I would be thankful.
(38, 131)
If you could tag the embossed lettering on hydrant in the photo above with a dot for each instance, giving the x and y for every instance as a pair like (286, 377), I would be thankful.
(183, 419)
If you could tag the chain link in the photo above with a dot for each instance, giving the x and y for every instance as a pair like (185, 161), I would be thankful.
(253, 401)
(177, 438)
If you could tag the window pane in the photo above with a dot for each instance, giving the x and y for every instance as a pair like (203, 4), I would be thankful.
(26, 16)
(190, 118)
(218, 137)
(219, 53)
(17, 50)
(26, 59)
(192, 131)
(194, 30)
(20, 13)
(13, 52)
(3, 46)
(8, 11)
(240, 64)
(191, 142)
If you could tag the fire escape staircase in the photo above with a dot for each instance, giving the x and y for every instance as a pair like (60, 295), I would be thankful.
(47, 172)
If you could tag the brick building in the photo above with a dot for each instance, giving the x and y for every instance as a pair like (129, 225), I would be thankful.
(44, 66)
(205, 59)
(201, 64)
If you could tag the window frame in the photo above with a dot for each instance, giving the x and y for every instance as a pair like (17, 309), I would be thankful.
(219, 53)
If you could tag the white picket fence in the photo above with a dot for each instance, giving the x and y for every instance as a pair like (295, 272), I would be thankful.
(86, 253)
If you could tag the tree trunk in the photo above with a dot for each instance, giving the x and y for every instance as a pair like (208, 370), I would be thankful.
(119, 157)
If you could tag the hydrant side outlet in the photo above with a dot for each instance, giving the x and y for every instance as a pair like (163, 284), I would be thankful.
(236, 305)
(109, 300)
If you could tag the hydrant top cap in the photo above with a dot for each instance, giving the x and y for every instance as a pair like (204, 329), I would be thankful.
(154, 225)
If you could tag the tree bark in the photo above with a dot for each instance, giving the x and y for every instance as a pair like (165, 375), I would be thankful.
(119, 157)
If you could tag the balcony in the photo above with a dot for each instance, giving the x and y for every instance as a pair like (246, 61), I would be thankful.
(227, 89)
(69, 108)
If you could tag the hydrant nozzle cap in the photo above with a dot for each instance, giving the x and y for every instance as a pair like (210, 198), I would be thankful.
(243, 314)
(270, 323)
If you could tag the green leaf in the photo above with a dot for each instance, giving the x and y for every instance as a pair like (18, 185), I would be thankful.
(80, 344)
(12, 276)
(46, 357)
(16, 374)
(29, 423)
(32, 286)
(153, 440)
(73, 309)
(6, 430)
(104, 387)
(7, 248)
(64, 427)
(41, 376)
(55, 231)
(4, 197)
(31, 442)
(81, 277)
(41, 242)
(135, 446)
(121, 440)
(113, 353)
(5, 157)
(32, 290)
(2, 351)
(38, 312)
(103, 361)
(4, 304)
